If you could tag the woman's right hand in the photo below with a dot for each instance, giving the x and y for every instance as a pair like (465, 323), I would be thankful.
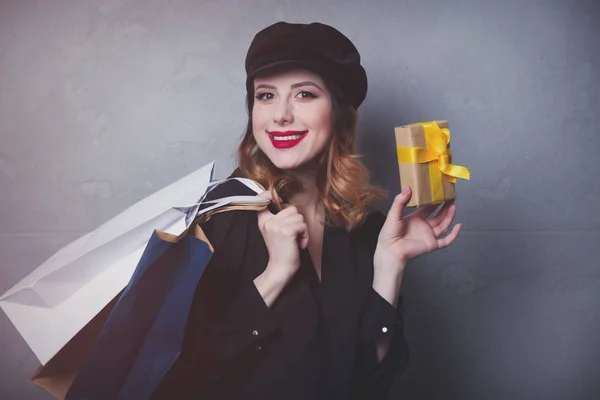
(284, 234)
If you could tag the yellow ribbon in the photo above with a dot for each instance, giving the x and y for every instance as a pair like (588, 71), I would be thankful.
(437, 140)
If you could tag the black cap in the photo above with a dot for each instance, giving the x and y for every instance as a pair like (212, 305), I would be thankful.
(317, 47)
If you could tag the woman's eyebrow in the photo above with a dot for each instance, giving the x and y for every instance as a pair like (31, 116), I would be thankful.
(265, 86)
(293, 86)
(306, 83)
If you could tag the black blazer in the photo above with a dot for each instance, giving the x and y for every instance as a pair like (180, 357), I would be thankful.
(317, 339)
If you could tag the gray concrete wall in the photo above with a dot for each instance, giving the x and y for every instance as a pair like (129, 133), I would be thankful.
(103, 102)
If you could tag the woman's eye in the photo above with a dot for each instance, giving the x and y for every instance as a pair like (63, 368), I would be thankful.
(264, 96)
(306, 95)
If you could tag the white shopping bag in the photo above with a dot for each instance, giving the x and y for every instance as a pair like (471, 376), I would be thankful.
(60, 297)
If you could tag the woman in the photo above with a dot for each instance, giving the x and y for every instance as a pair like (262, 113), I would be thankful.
(303, 303)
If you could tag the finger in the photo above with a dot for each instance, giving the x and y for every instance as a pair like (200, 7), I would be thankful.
(447, 240)
(442, 221)
(444, 224)
(426, 211)
(298, 232)
(290, 226)
(436, 219)
(287, 212)
(303, 237)
(399, 203)
(273, 198)
(439, 217)
(263, 217)
(296, 227)
(265, 214)
(293, 220)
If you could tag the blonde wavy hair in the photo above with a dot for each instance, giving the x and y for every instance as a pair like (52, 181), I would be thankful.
(342, 180)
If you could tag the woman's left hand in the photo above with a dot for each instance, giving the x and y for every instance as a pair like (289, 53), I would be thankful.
(404, 237)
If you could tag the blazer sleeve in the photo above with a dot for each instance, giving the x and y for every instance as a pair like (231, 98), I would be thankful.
(228, 320)
(379, 320)
(239, 321)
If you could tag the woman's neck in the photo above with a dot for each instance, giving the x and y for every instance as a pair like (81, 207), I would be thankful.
(308, 198)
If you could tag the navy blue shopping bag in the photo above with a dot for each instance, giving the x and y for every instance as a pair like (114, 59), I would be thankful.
(144, 332)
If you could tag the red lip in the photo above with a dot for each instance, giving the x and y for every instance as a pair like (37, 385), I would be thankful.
(286, 144)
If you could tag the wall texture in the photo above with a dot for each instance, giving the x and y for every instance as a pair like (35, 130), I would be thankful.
(103, 102)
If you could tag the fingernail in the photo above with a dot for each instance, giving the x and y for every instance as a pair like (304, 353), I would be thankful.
(406, 189)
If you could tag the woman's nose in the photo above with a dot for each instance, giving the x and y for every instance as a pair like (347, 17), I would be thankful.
(283, 113)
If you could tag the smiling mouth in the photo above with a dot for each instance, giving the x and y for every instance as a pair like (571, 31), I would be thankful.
(286, 140)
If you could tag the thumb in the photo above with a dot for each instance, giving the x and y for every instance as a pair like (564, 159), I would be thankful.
(399, 203)
(303, 240)
(265, 214)
(393, 223)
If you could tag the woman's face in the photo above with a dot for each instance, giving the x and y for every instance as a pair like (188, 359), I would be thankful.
(291, 117)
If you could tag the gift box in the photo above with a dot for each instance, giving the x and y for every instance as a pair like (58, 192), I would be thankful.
(425, 162)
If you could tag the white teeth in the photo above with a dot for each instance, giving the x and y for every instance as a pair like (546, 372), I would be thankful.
(284, 138)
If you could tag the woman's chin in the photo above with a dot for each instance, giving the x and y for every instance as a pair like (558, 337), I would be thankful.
(307, 167)
(287, 166)
(284, 163)
(287, 163)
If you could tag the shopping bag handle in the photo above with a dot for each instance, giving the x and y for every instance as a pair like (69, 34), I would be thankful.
(230, 203)
(249, 203)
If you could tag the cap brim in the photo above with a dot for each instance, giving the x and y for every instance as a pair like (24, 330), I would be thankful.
(279, 64)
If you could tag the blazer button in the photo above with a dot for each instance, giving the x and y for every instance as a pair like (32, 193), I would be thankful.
(258, 348)
(255, 333)
(384, 329)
